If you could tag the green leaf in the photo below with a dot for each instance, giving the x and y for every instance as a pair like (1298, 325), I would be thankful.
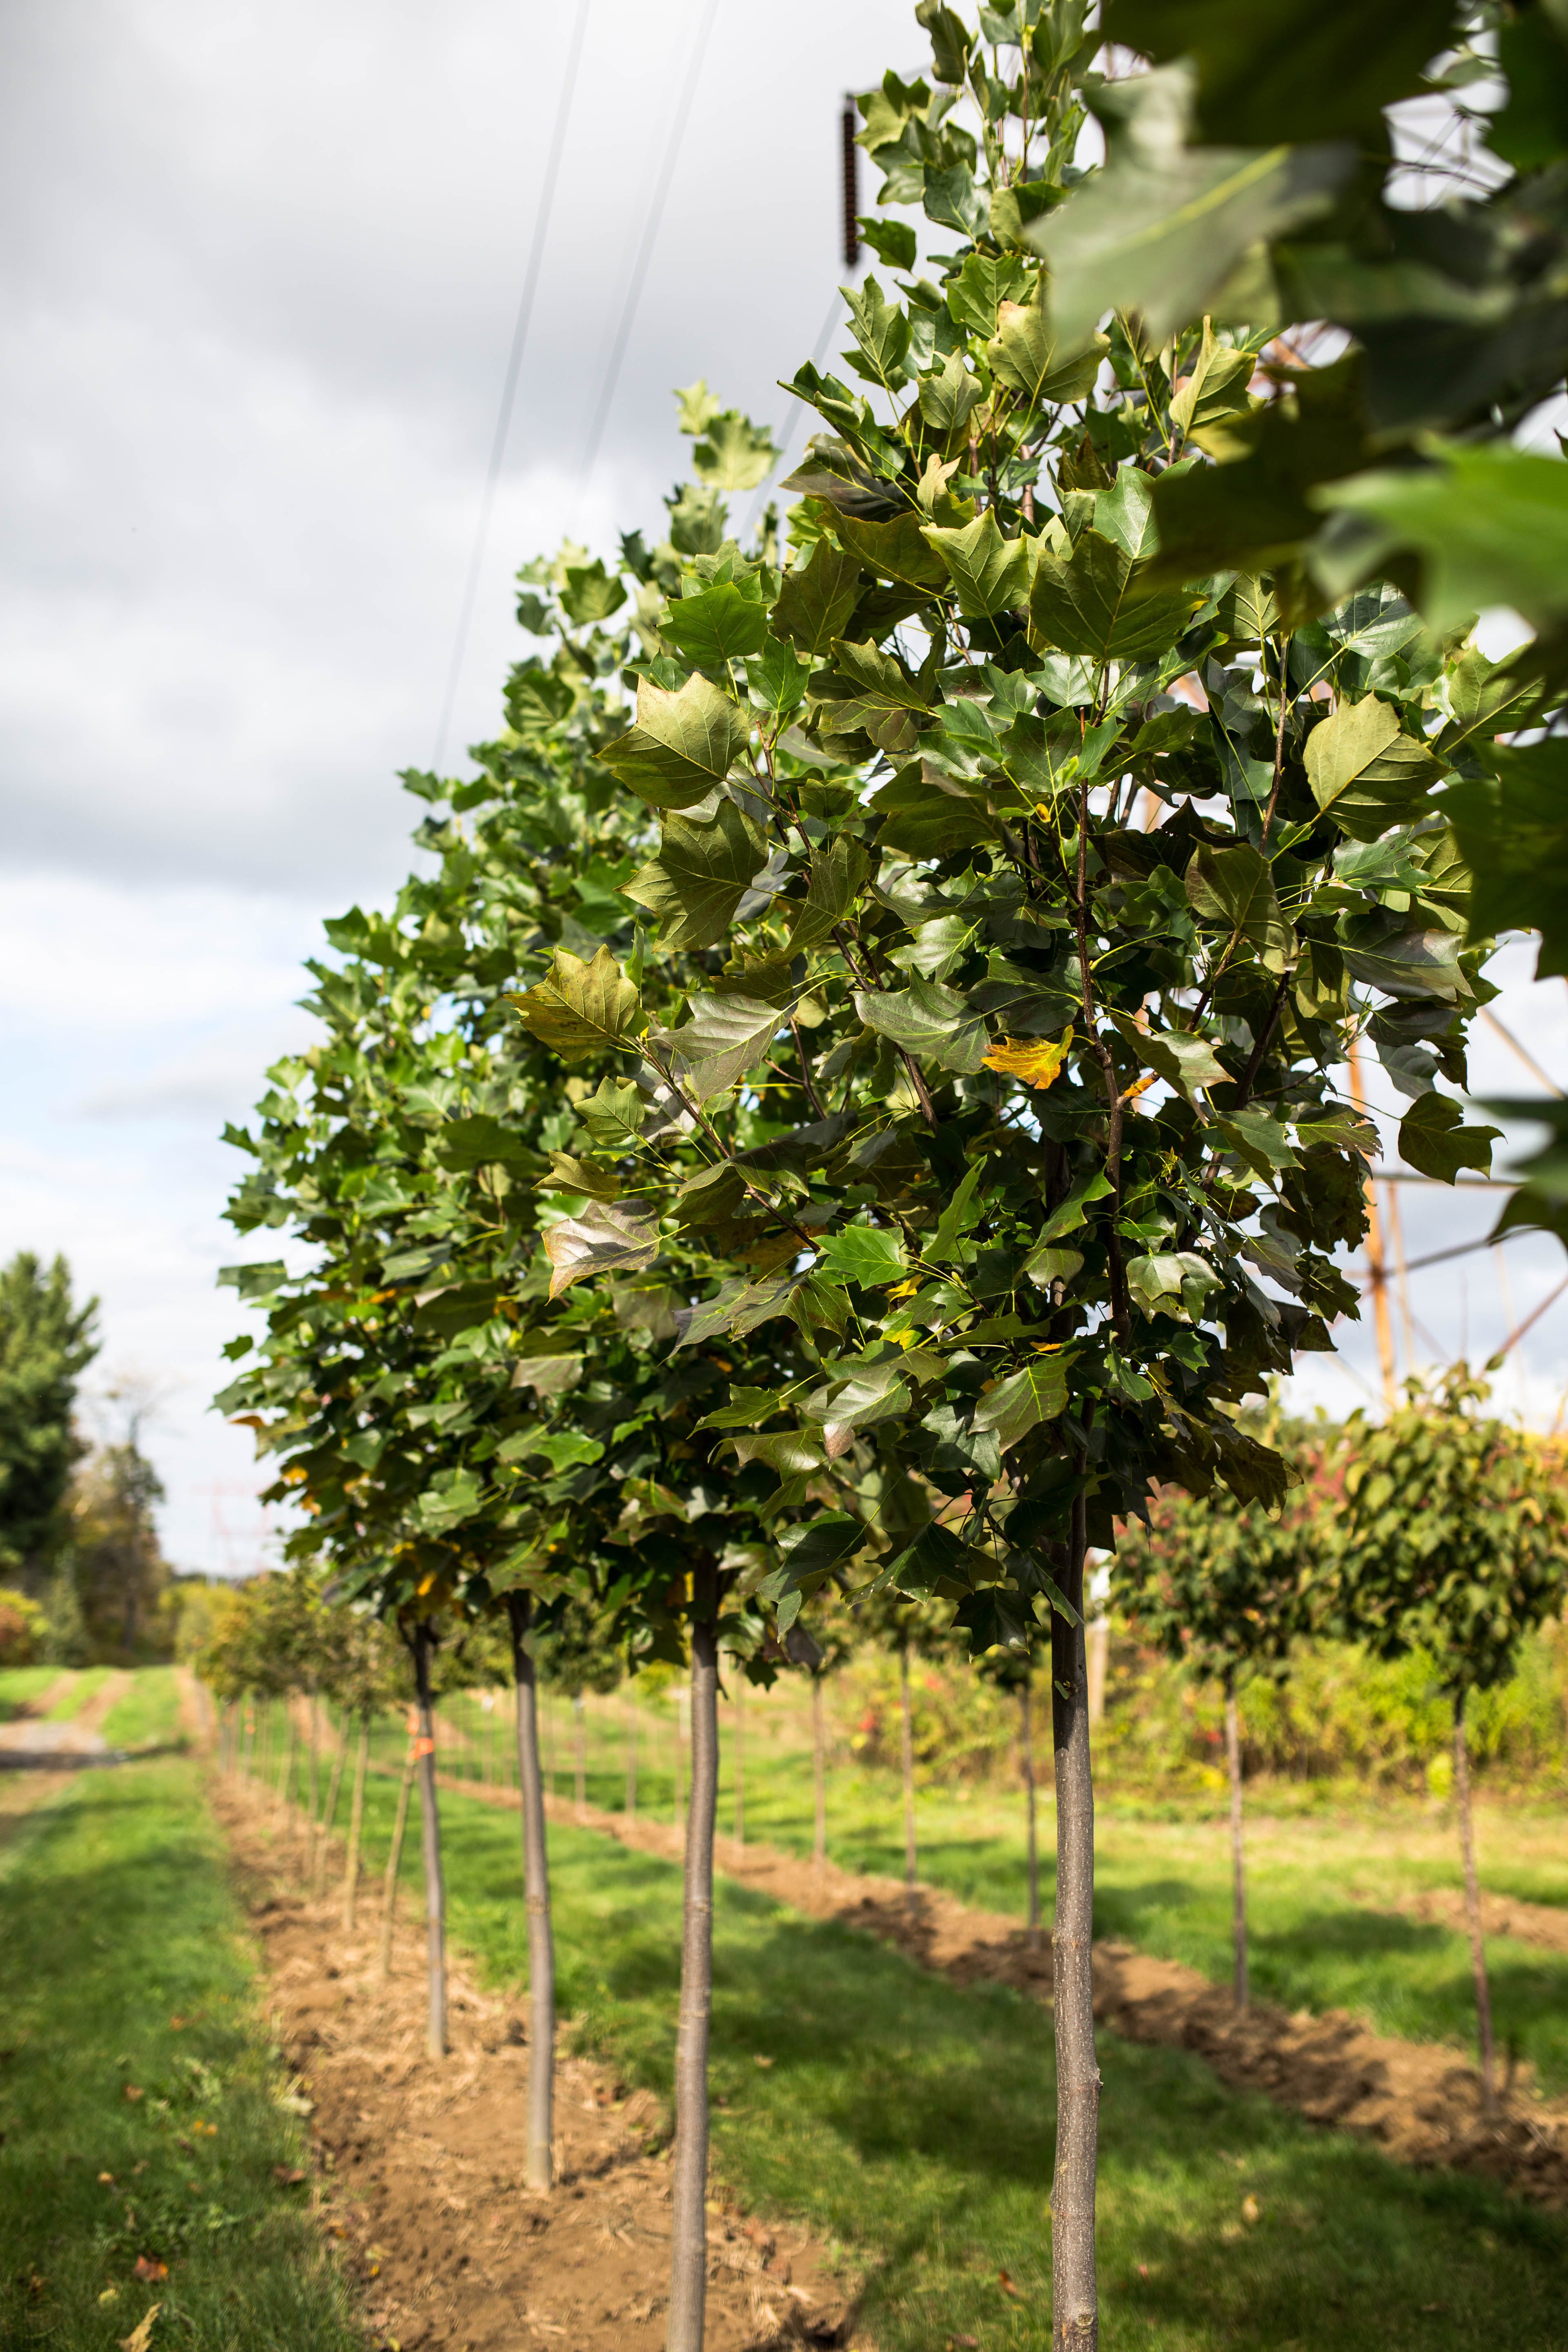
(869, 1253)
(591, 593)
(951, 198)
(582, 1008)
(1171, 1282)
(569, 1174)
(813, 605)
(932, 1023)
(788, 1452)
(1217, 390)
(681, 746)
(716, 626)
(481, 1141)
(925, 817)
(955, 1219)
(935, 1558)
(880, 329)
(736, 454)
(1295, 70)
(1027, 354)
(1162, 225)
(562, 1448)
(700, 876)
(1260, 1139)
(1251, 513)
(710, 1197)
(738, 1308)
(602, 1240)
(1072, 1213)
(725, 1037)
(808, 1555)
(749, 1407)
(877, 696)
(1414, 963)
(697, 407)
(896, 550)
(1186, 1062)
(614, 1115)
(983, 280)
(1015, 1406)
(1512, 832)
(1489, 522)
(1101, 602)
(949, 398)
(1234, 888)
(990, 574)
(838, 871)
(777, 677)
(950, 40)
(1434, 1140)
(1365, 771)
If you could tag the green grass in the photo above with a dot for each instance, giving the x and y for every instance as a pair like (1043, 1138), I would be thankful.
(910, 2122)
(117, 1917)
(19, 1685)
(81, 1691)
(149, 1714)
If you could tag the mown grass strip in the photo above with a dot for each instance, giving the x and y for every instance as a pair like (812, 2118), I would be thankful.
(149, 1714)
(132, 2049)
(910, 2121)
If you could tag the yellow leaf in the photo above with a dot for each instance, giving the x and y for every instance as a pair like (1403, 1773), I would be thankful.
(1036, 1061)
(141, 2335)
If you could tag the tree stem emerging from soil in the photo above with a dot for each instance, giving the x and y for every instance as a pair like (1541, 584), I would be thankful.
(1075, 2308)
(334, 1788)
(539, 2169)
(1238, 1847)
(1027, 1700)
(907, 1758)
(1473, 1911)
(394, 1867)
(819, 1772)
(356, 1825)
(430, 1843)
(688, 2247)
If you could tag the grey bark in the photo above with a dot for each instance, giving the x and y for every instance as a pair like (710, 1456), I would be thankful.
(907, 1752)
(539, 2164)
(1027, 1698)
(739, 1754)
(688, 2246)
(393, 1867)
(356, 1825)
(329, 1816)
(1238, 1847)
(819, 1778)
(430, 1846)
(1473, 1911)
(1074, 2306)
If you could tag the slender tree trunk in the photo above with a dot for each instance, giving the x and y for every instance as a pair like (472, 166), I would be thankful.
(1074, 2306)
(907, 1754)
(1473, 1911)
(1027, 1698)
(539, 2165)
(430, 1841)
(688, 2235)
(631, 1758)
(312, 1789)
(680, 1769)
(394, 1865)
(740, 1744)
(819, 1779)
(318, 1883)
(1237, 1848)
(581, 1758)
(286, 1764)
(356, 1825)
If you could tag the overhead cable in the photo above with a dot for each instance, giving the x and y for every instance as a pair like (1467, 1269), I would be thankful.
(513, 370)
(650, 232)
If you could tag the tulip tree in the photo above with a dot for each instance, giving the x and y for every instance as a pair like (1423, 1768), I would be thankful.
(1223, 1588)
(1075, 1167)
(1450, 1538)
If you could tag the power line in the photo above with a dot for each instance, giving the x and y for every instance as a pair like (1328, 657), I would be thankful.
(797, 407)
(650, 232)
(513, 369)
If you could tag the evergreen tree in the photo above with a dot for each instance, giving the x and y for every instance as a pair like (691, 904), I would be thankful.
(46, 1342)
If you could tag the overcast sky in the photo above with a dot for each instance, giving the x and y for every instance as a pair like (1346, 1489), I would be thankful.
(261, 265)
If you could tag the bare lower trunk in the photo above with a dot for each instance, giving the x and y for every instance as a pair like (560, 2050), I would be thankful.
(819, 1778)
(539, 2165)
(1473, 1910)
(631, 1758)
(907, 1754)
(395, 1866)
(329, 1816)
(582, 1755)
(1027, 1698)
(313, 1793)
(688, 2246)
(356, 1825)
(1237, 1849)
(430, 1846)
(1075, 2307)
(740, 1745)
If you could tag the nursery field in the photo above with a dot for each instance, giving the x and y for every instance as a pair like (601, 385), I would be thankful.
(903, 2119)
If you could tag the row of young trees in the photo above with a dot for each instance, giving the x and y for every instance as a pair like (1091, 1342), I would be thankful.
(800, 1127)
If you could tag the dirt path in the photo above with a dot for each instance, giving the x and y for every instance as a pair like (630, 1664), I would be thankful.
(33, 1710)
(1419, 2101)
(1545, 1924)
(419, 2165)
(34, 1741)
